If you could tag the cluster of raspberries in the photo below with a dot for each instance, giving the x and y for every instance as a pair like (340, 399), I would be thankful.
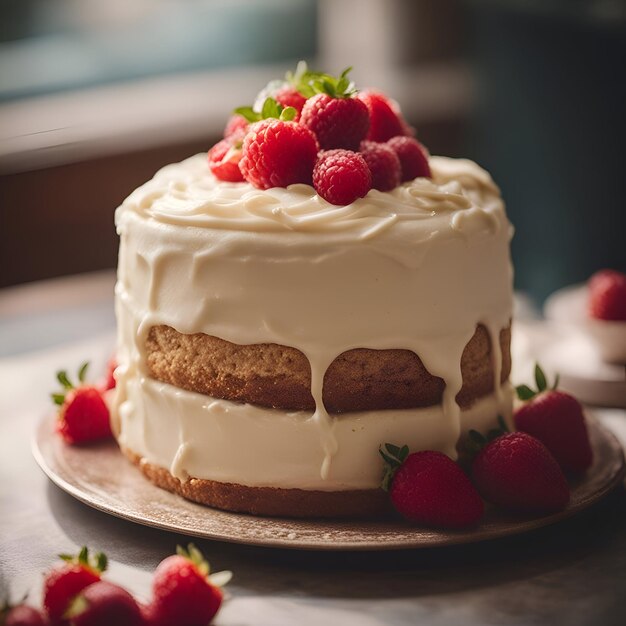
(316, 129)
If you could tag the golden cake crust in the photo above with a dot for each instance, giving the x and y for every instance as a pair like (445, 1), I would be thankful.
(275, 376)
(268, 501)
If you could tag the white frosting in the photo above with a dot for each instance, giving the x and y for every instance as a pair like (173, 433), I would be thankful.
(416, 268)
(194, 435)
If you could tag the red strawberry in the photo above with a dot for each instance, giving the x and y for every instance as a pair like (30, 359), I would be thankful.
(516, 471)
(430, 488)
(338, 122)
(413, 157)
(289, 96)
(384, 165)
(607, 295)
(22, 615)
(104, 604)
(83, 416)
(63, 583)
(278, 153)
(386, 121)
(182, 592)
(557, 420)
(341, 176)
(224, 158)
(236, 125)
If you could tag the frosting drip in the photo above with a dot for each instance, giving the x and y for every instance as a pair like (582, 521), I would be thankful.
(416, 268)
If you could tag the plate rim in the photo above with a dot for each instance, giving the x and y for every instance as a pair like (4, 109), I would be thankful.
(441, 538)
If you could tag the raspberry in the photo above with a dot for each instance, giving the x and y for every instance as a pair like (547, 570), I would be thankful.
(384, 165)
(607, 295)
(413, 157)
(224, 159)
(386, 121)
(336, 122)
(276, 153)
(341, 176)
(237, 124)
(288, 96)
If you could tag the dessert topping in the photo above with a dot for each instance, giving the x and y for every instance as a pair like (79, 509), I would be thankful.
(383, 163)
(341, 176)
(386, 121)
(413, 157)
(337, 117)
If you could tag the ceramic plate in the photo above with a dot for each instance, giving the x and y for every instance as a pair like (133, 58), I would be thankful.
(100, 476)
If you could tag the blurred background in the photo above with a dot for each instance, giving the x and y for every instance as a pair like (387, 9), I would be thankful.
(95, 96)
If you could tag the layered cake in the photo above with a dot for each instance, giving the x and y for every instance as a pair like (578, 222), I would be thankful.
(270, 341)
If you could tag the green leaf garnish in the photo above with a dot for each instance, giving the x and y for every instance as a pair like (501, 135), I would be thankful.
(393, 456)
(82, 371)
(64, 380)
(524, 392)
(540, 378)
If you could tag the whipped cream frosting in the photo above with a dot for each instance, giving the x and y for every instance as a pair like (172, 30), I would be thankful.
(415, 268)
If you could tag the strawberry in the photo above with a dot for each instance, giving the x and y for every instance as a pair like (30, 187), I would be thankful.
(516, 471)
(83, 416)
(607, 295)
(21, 615)
(555, 418)
(63, 583)
(341, 176)
(386, 121)
(413, 157)
(430, 488)
(182, 592)
(383, 163)
(236, 125)
(224, 158)
(104, 604)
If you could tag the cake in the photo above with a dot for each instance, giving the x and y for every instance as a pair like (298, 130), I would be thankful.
(270, 342)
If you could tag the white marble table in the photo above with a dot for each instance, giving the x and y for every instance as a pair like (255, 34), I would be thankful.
(570, 573)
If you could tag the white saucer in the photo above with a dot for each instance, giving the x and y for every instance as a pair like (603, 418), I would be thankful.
(577, 347)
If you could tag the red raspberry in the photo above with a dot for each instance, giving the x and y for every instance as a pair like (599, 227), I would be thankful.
(607, 295)
(224, 158)
(289, 96)
(384, 165)
(341, 176)
(277, 154)
(430, 488)
(182, 592)
(413, 157)
(336, 122)
(83, 414)
(518, 472)
(386, 121)
(236, 125)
